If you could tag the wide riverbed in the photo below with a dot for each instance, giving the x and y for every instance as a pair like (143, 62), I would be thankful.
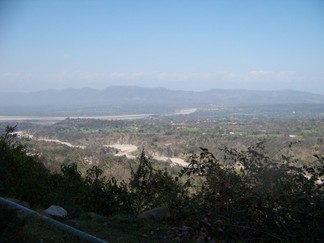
(54, 119)
(49, 120)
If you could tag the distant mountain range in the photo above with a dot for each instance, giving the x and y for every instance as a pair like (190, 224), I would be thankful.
(124, 95)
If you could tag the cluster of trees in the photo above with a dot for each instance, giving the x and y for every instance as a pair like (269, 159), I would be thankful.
(262, 199)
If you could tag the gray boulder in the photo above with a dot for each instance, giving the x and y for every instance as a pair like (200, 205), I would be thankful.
(155, 213)
(56, 212)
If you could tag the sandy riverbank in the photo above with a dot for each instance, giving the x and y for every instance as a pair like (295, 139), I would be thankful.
(128, 150)
(123, 149)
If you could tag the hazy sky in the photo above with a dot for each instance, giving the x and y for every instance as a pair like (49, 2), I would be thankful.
(178, 44)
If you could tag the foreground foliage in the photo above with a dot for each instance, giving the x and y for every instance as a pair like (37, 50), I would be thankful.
(263, 199)
(154, 188)
(236, 195)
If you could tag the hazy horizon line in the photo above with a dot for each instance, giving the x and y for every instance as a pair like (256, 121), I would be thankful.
(158, 87)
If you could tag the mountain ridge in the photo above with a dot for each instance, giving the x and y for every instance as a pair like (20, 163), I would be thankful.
(160, 95)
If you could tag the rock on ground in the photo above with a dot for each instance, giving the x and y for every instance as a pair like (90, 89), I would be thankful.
(56, 211)
(155, 213)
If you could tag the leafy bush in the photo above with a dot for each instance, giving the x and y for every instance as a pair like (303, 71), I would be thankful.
(154, 188)
(105, 196)
(21, 176)
(24, 177)
(67, 189)
(264, 200)
(90, 193)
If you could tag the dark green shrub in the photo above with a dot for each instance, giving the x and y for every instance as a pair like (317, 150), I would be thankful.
(67, 189)
(21, 176)
(105, 196)
(154, 188)
(265, 200)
